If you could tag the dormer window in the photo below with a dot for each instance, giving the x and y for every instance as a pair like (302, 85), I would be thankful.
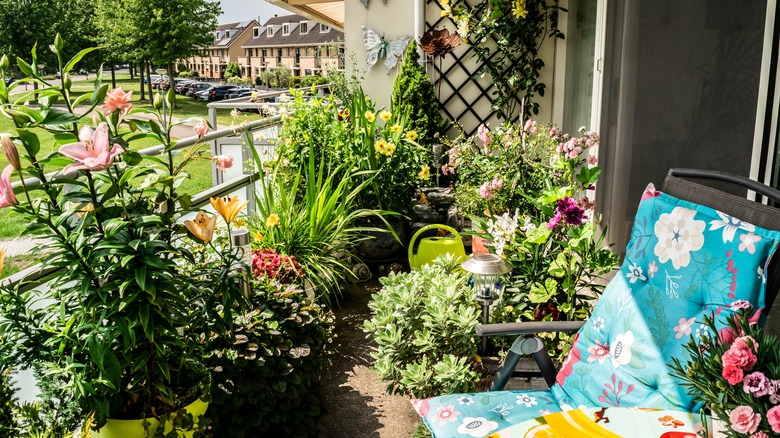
(255, 32)
(286, 29)
(270, 32)
(227, 34)
(324, 28)
(304, 27)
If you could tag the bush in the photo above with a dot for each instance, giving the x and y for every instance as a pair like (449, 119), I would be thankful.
(232, 70)
(423, 323)
(413, 95)
(267, 372)
(277, 77)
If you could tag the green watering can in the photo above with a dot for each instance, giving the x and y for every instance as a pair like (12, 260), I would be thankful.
(432, 247)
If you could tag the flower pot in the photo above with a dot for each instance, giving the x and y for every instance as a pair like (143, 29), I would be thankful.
(135, 428)
(383, 246)
(478, 244)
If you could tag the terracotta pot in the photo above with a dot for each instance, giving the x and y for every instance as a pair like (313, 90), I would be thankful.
(135, 428)
(478, 244)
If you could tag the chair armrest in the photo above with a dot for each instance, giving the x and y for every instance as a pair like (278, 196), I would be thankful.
(525, 328)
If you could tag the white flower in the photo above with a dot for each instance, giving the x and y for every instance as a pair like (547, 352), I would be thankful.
(234, 113)
(730, 226)
(465, 400)
(678, 235)
(635, 273)
(598, 324)
(620, 351)
(477, 427)
(502, 230)
(525, 399)
(748, 242)
(701, 330)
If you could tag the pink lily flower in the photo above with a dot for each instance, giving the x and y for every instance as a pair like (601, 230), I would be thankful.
(92, 152)
(7, 197)
(117, 99)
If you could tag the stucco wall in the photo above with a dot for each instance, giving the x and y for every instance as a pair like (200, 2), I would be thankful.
(397, 18)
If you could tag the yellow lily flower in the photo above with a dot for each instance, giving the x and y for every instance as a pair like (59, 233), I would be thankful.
(228, 208)
(272, 221)
(385, 115)
(395, 128)
(370, 116)
(411, 135)
(202, 227)
(425, 172)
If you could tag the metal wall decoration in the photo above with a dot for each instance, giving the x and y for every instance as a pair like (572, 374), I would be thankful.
(365, 2)
(379, 47)
(465, 92)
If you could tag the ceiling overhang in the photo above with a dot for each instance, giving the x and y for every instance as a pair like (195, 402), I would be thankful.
(327, 12)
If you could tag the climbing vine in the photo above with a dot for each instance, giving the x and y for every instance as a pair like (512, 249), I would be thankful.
(506, 37)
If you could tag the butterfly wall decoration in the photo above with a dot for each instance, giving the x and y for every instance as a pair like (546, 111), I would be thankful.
(379, 47)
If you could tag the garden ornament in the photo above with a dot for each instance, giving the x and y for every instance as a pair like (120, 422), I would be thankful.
(432, 247)
(379, 47)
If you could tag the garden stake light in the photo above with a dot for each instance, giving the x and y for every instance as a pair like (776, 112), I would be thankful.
(486, 272)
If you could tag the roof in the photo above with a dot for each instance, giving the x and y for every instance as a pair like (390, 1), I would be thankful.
(313, 37)
(329, 12)
(226, 34)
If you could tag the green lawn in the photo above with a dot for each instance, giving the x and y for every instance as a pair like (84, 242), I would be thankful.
(18, 263)
(11, 225)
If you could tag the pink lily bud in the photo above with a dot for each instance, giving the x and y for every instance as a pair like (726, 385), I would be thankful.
(11, 152)
(202, 127)
(224, 162)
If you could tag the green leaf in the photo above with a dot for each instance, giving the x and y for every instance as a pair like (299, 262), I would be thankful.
(56, 116)
(140, 277)
(542, 293)
(72, 63)
(143, 316)
(30, 141)
(24, 67)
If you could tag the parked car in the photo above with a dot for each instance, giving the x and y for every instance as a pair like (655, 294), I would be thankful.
(239, 92)
(202, 94)
(181, 86)
(218, 92)
(196, 87)
(157, 79)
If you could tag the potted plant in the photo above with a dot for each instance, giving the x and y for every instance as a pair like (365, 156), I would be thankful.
(118, 332)
(733, 368)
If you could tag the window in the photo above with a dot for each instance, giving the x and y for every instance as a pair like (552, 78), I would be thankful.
(304, 27)
(255, 32)
(286, 29)
(270, 32)
(264, 54)
(324, 28)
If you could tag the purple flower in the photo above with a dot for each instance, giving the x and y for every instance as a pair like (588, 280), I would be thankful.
(554, 221)
(774, 392)
(571, 212)
(756, 384)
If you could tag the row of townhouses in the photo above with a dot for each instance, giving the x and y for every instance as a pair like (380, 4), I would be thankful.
(303, 46)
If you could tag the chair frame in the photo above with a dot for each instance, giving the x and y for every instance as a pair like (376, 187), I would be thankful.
(527, 343)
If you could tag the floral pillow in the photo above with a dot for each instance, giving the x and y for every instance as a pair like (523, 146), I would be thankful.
(684, 260)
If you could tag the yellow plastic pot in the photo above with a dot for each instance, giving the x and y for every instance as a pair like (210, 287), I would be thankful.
(432, 247)
(135, 428)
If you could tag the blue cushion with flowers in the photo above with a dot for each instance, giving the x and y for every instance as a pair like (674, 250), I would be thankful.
(683, 261)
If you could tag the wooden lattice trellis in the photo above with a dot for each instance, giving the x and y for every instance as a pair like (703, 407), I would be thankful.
(464, 92)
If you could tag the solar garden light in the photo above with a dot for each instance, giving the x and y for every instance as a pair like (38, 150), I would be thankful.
(243, 246)
(486, 272)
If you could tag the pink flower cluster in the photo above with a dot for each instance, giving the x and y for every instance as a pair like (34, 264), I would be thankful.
(739, 358)
(269, 264)
(488, 189)
(483, 133)
(573, 147)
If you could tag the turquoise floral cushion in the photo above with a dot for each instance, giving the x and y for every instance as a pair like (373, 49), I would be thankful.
(683, 261)
(478, 415)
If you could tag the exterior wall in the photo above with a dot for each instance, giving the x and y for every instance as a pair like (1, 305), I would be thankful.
(212, 65)
(397, 18)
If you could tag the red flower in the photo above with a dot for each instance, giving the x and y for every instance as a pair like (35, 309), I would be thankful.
(732, 374)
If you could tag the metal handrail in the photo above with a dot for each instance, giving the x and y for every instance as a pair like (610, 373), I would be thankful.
(157, 150)
(36, 275)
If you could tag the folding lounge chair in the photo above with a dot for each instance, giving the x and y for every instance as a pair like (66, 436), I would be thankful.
(693, 251)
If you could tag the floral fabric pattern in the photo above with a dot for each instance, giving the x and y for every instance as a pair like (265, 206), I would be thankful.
(684, 261)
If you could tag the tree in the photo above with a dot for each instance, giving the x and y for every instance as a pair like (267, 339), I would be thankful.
(25, 23)
(413, 95)
(232, 70)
